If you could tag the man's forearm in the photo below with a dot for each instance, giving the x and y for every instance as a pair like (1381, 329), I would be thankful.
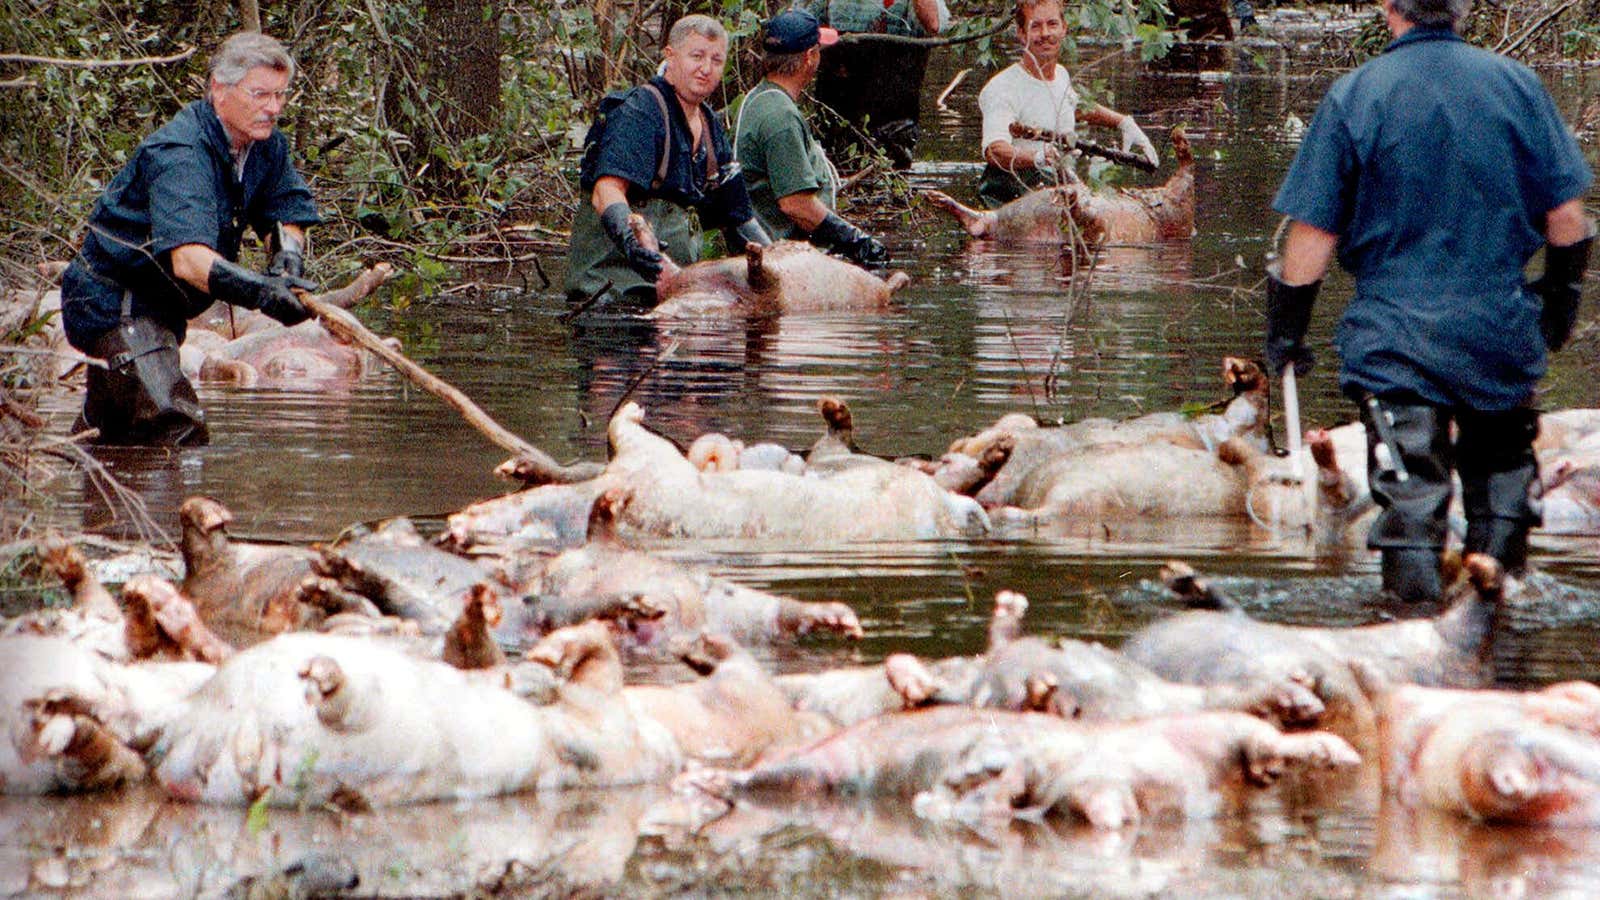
(1307, 253)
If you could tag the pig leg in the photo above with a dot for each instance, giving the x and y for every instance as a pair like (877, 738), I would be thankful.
(798, 617)
(66, 562)
(1291, 702)
(1196, 593)
(1005, 623)
(327, 594)
(1268, 753)
(88, 754)
(978, 224)
(468, 644)
(1107, 805)
(583, 655)
(162, 605)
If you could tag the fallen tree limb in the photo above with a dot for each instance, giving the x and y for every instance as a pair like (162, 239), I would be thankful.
(346, 327)
(95, 63)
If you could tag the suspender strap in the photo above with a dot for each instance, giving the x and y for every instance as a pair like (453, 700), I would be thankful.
(666, 143)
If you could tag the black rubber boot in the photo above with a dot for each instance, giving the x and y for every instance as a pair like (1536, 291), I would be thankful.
(1411, 576)
(1499, 483)
(1411, 525)
(141, 396)
(1503, 539)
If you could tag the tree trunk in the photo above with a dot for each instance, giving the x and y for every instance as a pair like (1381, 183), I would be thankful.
(249, 15)
(465, 57)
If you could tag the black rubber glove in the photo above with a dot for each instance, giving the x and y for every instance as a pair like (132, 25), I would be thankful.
(272, 294)
(289, 254)
(641, 259)
(1561, 287)
(1288, 317)
(750, 232)
(840, 238)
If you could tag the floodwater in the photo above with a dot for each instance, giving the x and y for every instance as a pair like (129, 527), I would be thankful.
(982, 331)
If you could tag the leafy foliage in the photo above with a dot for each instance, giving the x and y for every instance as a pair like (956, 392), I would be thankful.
(364, 119)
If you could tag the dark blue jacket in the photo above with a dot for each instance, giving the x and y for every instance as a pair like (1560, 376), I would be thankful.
(1435, 164)
(631, 145)
(179, 188)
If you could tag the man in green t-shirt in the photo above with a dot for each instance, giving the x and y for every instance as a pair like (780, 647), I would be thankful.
(792, 186)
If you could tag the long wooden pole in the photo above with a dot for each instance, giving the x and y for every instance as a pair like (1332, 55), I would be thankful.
(535, 466)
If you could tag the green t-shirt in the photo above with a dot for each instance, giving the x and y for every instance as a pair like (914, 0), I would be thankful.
(779, 156)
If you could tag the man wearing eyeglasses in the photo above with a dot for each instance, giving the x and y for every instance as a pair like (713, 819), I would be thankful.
(163, 243)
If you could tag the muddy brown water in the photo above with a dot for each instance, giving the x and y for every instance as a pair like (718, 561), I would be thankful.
(982, 331)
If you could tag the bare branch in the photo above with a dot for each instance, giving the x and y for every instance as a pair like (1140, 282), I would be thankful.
(95, 63)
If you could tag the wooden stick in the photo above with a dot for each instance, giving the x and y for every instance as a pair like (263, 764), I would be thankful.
(1019, 130)
(341, 324)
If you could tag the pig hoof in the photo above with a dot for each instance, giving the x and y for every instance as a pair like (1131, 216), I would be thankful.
(1319, 750)
(914, 682)
(834, 617)
(706, 651)
(1010, 604)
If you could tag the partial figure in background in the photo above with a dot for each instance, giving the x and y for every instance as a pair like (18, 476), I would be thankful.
(163, 244)
(1436, 171)
(875, 87)
(792, 185)
(1036, 93)
(658, 150)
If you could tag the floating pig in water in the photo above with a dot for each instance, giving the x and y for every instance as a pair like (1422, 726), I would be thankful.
(245, 591)
(971, 764)
(69, 718)
(789, 276)
(1526, 758)
(1228, 647)
(245, 347)
(1072, 679)
(1020, 445)
(1073, 213)
(604, 576)
(671, 498)
(731, 716)
(314, 719)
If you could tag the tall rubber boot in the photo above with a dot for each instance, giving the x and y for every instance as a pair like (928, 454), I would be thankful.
(1411, 576)
(1504, 539)
(1500, 483)
(1411, 527)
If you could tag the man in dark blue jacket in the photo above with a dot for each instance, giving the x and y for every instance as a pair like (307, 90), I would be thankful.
(1436, 171)
(163, 244)
(662, 153)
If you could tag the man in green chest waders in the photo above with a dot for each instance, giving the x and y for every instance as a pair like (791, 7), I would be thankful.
(658, 150)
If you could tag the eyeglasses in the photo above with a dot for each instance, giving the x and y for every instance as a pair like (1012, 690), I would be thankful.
(260, 96)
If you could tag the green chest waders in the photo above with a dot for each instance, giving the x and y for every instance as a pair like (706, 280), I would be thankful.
(595, 259)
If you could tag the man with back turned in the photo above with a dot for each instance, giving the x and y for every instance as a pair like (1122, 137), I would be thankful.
(1435, 172)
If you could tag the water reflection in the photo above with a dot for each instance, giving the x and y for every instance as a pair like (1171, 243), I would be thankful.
(982, 331)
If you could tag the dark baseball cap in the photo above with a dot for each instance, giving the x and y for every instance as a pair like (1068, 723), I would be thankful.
(794, 30)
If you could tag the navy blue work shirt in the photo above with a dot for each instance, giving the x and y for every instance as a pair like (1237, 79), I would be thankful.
(1436, 164)
(179, 188)
(630, 149)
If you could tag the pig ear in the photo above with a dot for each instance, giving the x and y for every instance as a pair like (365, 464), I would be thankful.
(205, 514)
